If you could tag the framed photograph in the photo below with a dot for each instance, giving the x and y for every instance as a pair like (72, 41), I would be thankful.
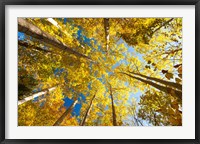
(99, 71)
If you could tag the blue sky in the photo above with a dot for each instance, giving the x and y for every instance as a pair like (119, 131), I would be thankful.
(21, 36)
(84, 40)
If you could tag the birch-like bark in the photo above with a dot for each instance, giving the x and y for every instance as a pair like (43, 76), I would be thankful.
(53, 22)
(107, 36)
(36, 95)
(65, 114)
(113, 107)
(159, 87)
(32, 30)
(28, 45)
(172, 84)
(87, 112)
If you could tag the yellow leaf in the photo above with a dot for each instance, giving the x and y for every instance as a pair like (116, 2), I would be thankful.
(82, 64)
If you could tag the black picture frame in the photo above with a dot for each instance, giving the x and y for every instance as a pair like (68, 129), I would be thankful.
(3, 4)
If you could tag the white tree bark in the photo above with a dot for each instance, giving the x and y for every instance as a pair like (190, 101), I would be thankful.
(87, 112)
(32, 30)
(53, 22)
(66, 113)
(107, 36)
(36, 95)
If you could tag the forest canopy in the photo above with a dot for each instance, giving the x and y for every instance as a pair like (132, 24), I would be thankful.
(99, 71)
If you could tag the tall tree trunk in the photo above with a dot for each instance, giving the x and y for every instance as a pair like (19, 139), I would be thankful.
(172, 84)
(159, 87)
(28, 45)
(34, 31)
(87, 112)
(36, 95)
(113, 107)
(66, 113)
(107, 37)
(53, 22)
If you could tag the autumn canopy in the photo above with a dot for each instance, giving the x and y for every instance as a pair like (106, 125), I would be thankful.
(99, 71)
